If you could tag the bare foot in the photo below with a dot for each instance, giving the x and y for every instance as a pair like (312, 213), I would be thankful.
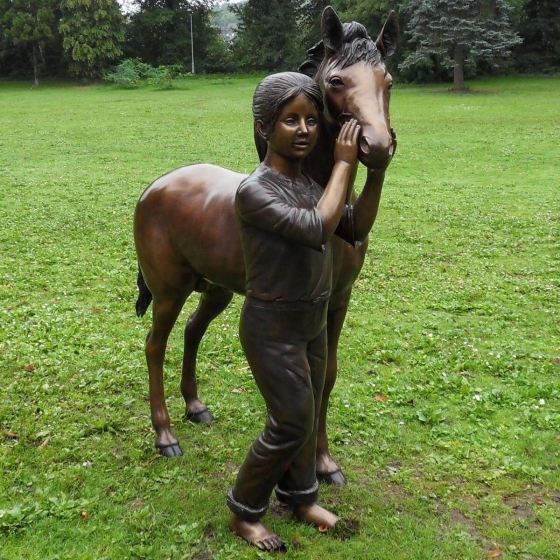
(256, 534)
(316, 515)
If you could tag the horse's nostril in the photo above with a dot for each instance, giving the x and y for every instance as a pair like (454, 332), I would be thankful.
(365, 144)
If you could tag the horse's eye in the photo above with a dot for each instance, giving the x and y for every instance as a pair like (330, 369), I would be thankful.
(390, 86)
(335, 81)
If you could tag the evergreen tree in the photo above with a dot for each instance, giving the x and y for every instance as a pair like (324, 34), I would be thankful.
(459, 32)
(268, 37)
(92, 32)
(30, 23)
(540, 30)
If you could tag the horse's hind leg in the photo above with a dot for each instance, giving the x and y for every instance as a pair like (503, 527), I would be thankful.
(166, 309)
(328, 470)
(212, 302)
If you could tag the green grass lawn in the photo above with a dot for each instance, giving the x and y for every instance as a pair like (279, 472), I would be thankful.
(446, 415)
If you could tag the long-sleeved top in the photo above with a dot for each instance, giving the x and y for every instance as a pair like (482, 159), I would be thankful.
(281, 235)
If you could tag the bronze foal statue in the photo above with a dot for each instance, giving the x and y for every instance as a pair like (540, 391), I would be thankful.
(187, 236)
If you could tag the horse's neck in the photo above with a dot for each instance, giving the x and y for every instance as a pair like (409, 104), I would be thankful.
(320, 162)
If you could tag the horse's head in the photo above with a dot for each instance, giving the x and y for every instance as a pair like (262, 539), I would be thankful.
(349, 67)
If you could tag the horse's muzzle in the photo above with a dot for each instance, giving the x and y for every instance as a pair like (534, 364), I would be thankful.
(377, 154)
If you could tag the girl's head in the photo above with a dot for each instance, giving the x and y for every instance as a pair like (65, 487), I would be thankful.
(271, 96)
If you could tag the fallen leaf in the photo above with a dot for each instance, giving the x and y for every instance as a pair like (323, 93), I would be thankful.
(539, 501)
(380, 398)
(558, 436)
(238, 391)
(323, 528)
(84, 515)
(495, 553)
(466, 373)
(411, 402)
(167, 348)
(45, 443)
(11, 435)
(528, 451)
(30, 367)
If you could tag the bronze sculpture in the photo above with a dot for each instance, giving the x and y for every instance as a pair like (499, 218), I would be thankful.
(286, 222)
(187, 237)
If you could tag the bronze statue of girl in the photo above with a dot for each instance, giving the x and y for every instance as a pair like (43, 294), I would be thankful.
(286, 222)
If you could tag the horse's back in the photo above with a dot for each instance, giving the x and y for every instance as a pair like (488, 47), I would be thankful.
(188, 215)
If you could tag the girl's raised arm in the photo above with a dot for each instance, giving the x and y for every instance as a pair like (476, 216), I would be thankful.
(331, 204)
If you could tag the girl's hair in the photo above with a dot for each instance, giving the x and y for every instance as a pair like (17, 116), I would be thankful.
(273, 93)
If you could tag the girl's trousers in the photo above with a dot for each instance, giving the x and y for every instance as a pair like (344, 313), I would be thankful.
(286, 346)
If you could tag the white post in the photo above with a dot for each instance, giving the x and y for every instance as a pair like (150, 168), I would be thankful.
(192, 43)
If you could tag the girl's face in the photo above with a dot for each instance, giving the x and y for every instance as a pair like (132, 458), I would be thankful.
(295, 130)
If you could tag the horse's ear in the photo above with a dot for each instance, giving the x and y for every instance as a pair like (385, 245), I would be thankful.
(387, 40)
(331, 29)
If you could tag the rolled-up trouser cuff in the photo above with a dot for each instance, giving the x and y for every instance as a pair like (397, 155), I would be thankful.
(243, 511)
(298, 497)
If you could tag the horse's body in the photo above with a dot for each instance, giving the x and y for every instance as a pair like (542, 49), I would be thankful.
(187, 237)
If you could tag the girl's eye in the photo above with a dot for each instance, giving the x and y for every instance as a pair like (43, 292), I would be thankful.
(335, 81)
(311, 122)
(290, 122)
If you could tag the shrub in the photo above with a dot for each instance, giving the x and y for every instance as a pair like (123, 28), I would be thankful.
(131, 72)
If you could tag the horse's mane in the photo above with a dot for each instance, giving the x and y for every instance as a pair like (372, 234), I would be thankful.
(356, 45)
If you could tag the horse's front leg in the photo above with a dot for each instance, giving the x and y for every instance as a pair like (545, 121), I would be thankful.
(212, 302)
(328, 471)
(165, 313)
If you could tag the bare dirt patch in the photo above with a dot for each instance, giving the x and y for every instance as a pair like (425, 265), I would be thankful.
(345, 529)
(459, 518)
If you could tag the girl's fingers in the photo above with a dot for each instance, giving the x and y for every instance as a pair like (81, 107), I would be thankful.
(356, 132)
(343, 132)
(348, 131)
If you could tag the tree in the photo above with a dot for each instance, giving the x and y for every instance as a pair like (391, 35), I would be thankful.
(30, 23)
(459, 32)
(268, 35)
(370, 13)
(160, 33)
(92, 31)
(540, 29)
(309, 21)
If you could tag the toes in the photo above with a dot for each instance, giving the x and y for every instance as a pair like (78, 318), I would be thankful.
(270, 544)
(199, 417)
(335, 478)
(172, 450)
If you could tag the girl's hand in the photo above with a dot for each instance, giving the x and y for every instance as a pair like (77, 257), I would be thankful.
(346, 148)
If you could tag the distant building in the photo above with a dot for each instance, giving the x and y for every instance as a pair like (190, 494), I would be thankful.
(229, 32)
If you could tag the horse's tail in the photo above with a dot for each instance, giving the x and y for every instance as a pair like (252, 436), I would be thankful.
(144, 295)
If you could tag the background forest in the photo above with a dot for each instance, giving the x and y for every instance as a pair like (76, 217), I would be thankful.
(442, 40)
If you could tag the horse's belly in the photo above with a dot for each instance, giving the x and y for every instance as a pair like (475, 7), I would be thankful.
(205, 231)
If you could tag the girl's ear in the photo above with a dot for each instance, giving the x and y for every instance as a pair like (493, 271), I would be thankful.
(261, 130)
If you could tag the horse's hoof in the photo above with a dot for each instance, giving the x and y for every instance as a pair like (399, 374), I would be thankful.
(336, 478)
(171, 450)
(199, 417)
